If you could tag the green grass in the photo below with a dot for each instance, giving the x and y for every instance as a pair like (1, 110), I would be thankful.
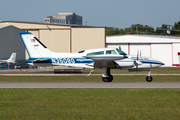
(90, 104)
(161, 70)
(92, 78)
(97, 78)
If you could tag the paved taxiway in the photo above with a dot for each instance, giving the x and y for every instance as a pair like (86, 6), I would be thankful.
(83, 84)
(89, 85)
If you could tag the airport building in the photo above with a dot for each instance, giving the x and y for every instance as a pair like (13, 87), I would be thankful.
(10, 42)
(163, 48)
(57, 37)
(64, 18)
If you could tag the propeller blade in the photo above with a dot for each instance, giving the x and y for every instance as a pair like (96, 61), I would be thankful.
(136, 62)
(137, 55)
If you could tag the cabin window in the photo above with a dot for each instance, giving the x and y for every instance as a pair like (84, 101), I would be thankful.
(121, 52)
(96, 53)
(112, 52)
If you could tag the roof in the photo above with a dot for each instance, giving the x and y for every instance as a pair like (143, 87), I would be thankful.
(42, 23)
(142, 39)
(65, 14)
(3, 26)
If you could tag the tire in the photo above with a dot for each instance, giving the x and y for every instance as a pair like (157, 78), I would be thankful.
(107, 79)
(149, 78)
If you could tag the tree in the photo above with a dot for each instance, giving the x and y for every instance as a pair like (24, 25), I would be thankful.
(112, 31)
(162, 30)
(176, 29)
(141, 29)
(177, 25)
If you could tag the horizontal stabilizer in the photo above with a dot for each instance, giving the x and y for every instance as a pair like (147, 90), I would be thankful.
(42, 61)
(39, 60)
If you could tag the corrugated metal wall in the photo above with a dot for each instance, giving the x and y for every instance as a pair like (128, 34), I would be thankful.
(10, 42)
(63, 38)
(87, 38)
(163, 49)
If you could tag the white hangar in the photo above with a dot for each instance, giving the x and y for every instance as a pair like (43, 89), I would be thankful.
(163, 48)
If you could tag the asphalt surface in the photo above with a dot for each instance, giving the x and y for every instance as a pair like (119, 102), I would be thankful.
(89, 85)
(82, 84)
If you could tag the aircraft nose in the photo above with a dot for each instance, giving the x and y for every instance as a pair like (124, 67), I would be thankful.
(160, 63)
(156, 63)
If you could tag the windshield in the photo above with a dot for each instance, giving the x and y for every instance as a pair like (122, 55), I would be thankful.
(121, 52)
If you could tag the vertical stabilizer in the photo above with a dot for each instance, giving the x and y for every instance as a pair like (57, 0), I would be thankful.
(12, 59)
(34, 47)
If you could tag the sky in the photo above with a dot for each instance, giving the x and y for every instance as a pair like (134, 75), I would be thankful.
(105, 13)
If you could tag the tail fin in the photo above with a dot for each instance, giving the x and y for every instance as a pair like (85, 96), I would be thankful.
(12, 58)
(34, 47)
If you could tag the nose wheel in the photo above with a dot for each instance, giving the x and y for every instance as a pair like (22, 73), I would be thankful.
(149, 78)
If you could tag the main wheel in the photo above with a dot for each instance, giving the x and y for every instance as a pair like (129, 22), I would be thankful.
(149, 78)
(107, 79)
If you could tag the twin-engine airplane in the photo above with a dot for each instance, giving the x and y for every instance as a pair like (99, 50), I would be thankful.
(105, 58)
(11, 60)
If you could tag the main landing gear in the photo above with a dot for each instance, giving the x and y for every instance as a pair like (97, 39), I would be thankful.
(106, 75)
(149, 78)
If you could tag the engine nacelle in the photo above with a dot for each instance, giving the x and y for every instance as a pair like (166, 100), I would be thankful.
(125, 63)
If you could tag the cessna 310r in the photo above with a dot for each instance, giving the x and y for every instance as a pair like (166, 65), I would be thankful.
(104, 58)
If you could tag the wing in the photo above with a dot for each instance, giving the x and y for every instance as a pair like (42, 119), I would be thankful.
(104, 61)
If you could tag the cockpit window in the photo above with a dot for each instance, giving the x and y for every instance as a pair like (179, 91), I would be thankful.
(96, 53)
(112, 52)
(121, 52)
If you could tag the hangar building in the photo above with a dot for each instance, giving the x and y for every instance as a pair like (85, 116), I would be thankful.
(10, 42)
(57, 37)
(163, 48)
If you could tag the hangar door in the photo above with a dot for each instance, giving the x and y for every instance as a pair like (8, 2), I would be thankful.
(162, 52)
(87, 38)
(144, 48)
(56, 40)
(176, 49)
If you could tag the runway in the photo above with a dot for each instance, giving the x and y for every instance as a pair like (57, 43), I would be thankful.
(89, 85)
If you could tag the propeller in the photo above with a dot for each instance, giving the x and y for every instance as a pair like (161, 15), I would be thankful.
(137, 62)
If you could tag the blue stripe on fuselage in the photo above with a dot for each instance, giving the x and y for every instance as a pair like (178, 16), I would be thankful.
(70, 60)
(67, 60)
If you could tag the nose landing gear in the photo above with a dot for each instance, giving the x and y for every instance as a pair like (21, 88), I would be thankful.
(149, 78)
